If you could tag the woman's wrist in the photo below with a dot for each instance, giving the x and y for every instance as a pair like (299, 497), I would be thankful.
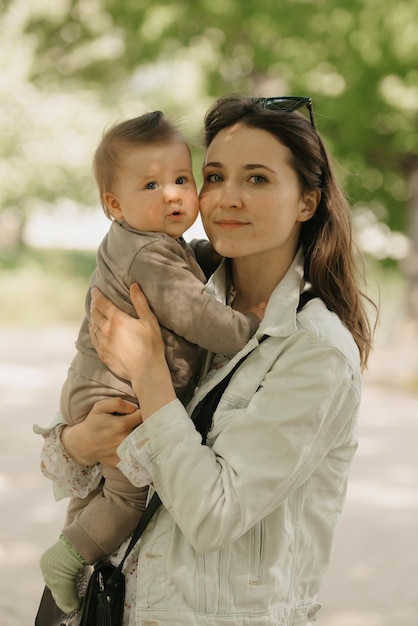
(156, 391)
(73, 445)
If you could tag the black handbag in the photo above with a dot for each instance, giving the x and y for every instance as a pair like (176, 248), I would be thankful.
(101, 587)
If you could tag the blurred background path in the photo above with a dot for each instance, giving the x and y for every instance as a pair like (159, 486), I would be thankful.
(373, 577)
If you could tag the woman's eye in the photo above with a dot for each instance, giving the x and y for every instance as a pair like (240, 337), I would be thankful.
(214, 178)
(257, 178)
(151, 185)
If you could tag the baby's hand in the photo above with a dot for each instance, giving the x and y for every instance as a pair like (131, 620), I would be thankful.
(259, 309)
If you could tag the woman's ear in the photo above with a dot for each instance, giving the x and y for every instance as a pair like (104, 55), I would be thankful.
(113, 205)
(310, 203)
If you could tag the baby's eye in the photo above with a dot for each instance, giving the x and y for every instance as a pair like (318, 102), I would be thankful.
(151, 185)
(181, 180)
(214, 178)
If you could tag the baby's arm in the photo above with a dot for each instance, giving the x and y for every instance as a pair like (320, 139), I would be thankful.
(181, 304)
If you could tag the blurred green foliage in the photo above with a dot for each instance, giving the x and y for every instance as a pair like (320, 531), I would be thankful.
(356, 58)
(44, 287)
(69, 67)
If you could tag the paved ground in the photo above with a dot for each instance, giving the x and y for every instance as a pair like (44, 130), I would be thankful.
(373, 580)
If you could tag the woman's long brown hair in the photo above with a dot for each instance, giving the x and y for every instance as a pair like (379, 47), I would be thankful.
(330, 255)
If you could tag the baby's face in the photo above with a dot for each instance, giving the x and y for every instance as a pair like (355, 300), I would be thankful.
(155, 189)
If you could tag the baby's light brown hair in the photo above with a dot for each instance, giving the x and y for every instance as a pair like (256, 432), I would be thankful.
(150, 128)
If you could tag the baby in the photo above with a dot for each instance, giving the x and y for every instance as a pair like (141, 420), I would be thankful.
(144, 174)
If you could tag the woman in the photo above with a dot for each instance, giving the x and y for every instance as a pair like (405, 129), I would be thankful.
(247, 524)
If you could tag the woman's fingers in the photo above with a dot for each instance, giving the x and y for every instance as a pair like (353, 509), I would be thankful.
(140, 302)
(144, 312)
(97, 307)
(96, 438)
(114, 406)
(126, 344)
(102, 312)
(99, 302)
(97, 318)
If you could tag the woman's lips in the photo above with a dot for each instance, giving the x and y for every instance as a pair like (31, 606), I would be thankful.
(230, 224)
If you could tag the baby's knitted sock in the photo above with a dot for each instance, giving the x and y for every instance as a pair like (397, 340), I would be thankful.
(60, 567)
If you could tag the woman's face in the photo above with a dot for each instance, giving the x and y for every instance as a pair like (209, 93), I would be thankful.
(251, 201)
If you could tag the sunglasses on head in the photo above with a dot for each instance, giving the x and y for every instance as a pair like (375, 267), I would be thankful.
(288, 104)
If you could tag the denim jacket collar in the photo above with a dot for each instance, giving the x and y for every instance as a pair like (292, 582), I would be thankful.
(284, 298)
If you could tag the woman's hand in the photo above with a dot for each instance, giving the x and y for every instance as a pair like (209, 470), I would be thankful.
(120, 340)
(96, 439)
(132, 348)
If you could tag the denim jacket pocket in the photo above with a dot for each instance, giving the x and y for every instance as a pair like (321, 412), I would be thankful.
(257, 545)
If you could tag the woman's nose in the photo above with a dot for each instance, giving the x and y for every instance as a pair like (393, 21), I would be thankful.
(231, 197)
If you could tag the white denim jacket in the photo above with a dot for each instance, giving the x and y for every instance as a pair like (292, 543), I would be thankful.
(245, 534)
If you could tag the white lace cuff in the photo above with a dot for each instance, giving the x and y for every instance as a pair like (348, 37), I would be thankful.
(69, 477)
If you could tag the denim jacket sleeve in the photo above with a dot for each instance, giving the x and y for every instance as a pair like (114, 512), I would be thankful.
(293, 402)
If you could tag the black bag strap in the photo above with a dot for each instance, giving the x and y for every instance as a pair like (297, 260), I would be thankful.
(304, 298)
(204, 410)
(150, 509)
